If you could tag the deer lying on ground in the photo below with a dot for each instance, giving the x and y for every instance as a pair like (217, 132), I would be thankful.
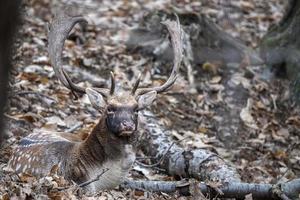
(110, 143)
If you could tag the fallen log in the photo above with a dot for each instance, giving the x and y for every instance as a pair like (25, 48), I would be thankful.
(288, 190)
(200, 164)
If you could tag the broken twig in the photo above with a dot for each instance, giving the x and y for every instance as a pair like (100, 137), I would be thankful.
(93, 180)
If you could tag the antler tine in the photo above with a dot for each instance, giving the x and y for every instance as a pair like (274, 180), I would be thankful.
(136, 85)
(58, 32)
(175, 33)
(112, 84)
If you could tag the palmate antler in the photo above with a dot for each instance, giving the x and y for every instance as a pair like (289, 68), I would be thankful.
(175, 33)
(59, 30)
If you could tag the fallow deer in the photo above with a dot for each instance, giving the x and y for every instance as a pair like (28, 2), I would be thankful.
(109, 145)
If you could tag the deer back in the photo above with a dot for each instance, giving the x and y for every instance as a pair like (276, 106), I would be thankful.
(39, 152)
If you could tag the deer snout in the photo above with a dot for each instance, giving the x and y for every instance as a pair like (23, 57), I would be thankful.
(127, 128)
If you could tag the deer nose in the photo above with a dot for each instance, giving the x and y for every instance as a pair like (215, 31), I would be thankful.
(127, 126)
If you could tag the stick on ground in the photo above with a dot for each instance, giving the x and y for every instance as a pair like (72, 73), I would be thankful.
(289, 190)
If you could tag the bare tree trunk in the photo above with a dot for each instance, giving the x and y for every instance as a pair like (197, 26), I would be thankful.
(9, 14)
(280, 47)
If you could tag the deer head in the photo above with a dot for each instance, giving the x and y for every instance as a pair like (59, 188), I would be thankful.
(119, 107)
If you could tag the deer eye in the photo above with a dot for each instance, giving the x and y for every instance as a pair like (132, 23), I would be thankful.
(110, 111)
(136, 111)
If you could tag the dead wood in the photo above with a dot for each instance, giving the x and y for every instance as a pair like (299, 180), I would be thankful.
(289, 189)
(192, 163)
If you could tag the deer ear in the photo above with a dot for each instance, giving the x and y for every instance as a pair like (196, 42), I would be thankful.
(146, 99)
(96, 98)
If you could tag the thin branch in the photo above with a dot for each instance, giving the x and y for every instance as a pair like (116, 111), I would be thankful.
(84, 183)
(75, 127)
(93, 180)
(286, 191)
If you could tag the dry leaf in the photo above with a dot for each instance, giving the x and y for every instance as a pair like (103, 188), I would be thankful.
(246, 116)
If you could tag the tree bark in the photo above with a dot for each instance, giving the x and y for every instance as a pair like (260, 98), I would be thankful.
(9, 15)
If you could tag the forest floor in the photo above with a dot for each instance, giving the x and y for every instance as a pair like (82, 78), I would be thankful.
(261, 139)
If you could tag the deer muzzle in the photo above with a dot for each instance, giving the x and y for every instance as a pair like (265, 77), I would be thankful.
(121, 126)
(127, 128)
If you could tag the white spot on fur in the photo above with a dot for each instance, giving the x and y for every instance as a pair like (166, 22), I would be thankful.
(24, 168)
(18, 166)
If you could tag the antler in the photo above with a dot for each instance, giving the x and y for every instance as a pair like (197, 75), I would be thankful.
(175, 33)
(58, 32)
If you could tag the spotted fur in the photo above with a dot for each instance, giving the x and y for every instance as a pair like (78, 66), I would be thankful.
(78, 161)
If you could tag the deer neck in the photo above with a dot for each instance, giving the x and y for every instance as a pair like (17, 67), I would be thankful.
(101, 145)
